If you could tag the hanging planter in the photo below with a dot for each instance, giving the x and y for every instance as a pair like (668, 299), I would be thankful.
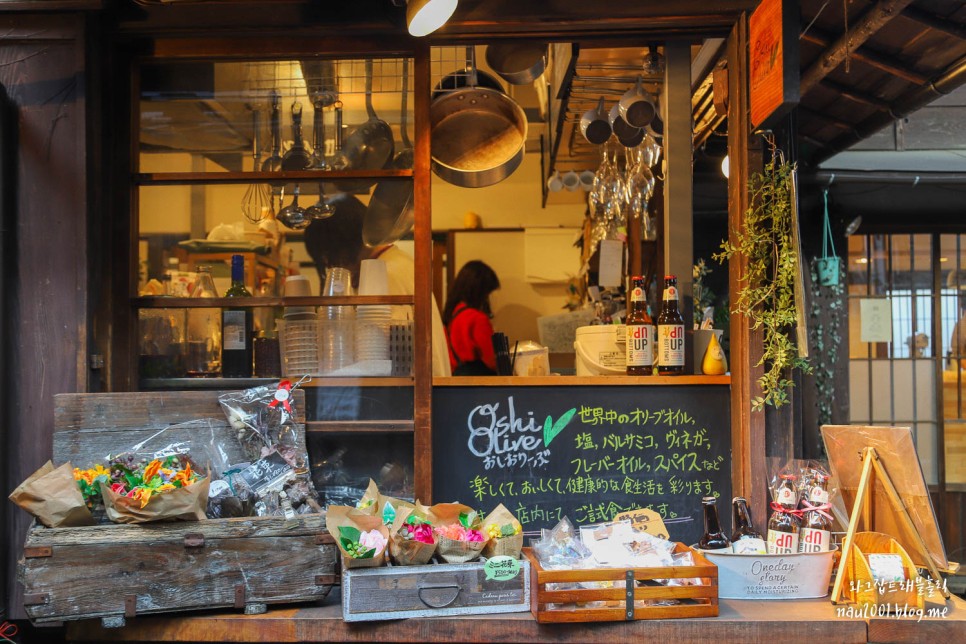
(827, 267)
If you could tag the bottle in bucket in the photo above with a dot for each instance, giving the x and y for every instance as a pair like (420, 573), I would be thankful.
(817, 527)
(714, 537)
(745, 539)
(784, 525)
(639, 332)
(670, 332)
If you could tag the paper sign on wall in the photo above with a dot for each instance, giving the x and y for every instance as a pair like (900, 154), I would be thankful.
(876, 320)
(611, 261)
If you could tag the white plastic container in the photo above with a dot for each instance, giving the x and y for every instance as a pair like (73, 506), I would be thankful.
(800, 576)
(601, 350)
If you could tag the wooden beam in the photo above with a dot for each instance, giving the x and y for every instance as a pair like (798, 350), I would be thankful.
(870, 22)
(871, 58)
(831, 120)
(937, 23)
(855, 95)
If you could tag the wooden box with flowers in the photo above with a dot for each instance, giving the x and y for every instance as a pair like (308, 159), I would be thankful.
(115, 571)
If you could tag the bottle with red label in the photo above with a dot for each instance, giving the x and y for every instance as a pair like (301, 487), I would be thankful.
(816, 532)
(784, 526)
(670, 332)
(639, 331)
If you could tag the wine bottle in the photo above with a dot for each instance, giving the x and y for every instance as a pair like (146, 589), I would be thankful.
(236, 327)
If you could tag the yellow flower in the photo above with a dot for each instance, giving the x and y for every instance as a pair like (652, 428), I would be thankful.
(165, 486)
(142, 494)
(151, 470)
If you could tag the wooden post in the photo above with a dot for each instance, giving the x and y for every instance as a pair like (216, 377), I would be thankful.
(747, 428)
(422, 314)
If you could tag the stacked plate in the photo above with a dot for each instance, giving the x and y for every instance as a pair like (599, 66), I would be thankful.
(299, 346)
(372, 333)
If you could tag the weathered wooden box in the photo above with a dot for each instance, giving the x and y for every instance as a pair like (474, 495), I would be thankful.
(433, 590)
(119, 571)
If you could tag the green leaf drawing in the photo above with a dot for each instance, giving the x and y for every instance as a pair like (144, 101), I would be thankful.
(552, 429)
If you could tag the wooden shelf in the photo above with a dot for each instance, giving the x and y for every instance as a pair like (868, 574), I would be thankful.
(169, 384)
(164, 302)
(359, 427)
(565, 381)
(189, 178)
(361, 381)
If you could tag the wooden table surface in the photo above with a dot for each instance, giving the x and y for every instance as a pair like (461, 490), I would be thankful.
(777, 622)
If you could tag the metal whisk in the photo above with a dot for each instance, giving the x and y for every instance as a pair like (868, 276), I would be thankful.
(257, 202)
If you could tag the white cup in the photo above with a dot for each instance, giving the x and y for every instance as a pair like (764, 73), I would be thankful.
(587, 179)
(373, 278)
(571, 181)
(297, 286)
(637, 106)
(554, 183)
(594, 124)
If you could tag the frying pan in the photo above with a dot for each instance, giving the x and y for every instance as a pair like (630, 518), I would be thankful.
(517, 63)
(390, 213)
(370, 146)
(477, 136)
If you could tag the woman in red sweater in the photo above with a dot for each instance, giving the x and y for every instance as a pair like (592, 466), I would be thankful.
(466, 316)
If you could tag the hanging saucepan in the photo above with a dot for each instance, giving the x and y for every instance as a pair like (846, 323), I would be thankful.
(370, 146)
(478, 135)
(517, 63)
(390, 213)
(460, 79)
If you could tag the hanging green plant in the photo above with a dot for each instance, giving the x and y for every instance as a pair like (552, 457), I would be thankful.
(767, 294)
(825, 334)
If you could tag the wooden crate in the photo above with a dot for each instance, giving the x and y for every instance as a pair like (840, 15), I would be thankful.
(433, 590)
(695, 601)
(118, 571)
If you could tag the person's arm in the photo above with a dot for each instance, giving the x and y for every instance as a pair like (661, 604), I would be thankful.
(481, 333)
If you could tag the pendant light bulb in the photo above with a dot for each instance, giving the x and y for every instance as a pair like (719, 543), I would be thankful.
(423, 17)
(726, 166)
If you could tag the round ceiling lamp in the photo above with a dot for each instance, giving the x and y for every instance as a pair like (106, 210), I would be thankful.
(423, 17)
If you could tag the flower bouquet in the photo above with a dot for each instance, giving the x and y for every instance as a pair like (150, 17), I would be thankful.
(163, 489)
(51, 495)
(458, 529)
(361, 538)
(504, 532)
(412, 540)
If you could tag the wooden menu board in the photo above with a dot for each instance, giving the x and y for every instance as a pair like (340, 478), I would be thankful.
(773, 64)
(586, 453)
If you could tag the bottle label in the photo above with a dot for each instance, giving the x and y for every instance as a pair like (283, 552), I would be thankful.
(782, 543)
(786, 496)
(637, 294)
(640, 345)
(671, 293)
(671, 344)
(813, 540)
(749, 546)
(233, 330)
(818, 496)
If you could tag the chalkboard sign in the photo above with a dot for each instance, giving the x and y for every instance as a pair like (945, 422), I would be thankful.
(586, 453)
(266, 473)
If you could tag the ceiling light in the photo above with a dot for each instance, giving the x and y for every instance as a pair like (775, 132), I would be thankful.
(423, 17)
(725, 166)
(862, 260)
(944, 259)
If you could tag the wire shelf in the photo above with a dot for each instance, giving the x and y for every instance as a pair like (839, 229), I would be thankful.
(329, 79)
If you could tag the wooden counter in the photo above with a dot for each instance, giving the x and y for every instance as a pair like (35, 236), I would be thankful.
(739, 621)
(572, 381)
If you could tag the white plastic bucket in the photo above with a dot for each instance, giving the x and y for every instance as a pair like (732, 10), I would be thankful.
(600, 350)
(747, 576)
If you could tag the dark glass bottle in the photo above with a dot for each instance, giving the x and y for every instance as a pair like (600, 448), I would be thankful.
(744, 538)
(670, 332)
(784, 527)
(714, 537)
(639, 332)
(236, 327)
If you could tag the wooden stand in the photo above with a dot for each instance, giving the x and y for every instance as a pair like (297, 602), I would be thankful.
(862, 508)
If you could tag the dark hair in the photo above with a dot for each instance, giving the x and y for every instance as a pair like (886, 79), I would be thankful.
(337, 240)
(472, 287)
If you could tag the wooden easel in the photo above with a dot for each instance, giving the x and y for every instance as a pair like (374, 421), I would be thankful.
(863, 507)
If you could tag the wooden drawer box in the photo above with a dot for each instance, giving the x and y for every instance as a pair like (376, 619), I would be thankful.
(118, 571)
(617, 603)
(433, 590)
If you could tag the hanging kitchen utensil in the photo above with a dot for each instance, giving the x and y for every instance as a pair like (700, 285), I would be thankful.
(621, 128)
(257, 200)
(460, 80)
(274, 162)
(320, 209)
(595, 124)
(517, 63)
(293, 215)
(637, 107)
(390, 213)
(370, 146)
(297, 157)
(477, 135)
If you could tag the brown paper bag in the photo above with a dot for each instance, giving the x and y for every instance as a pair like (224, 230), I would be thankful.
(407, 552)
(510, 545)
(337, 516)
(451, 550)
(179, 504)
(51, 494)
(369, 503)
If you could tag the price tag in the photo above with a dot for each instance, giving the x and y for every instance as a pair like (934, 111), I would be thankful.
(645, 520)
(267, 473)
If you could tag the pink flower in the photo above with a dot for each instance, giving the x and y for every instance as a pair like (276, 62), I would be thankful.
(118, 488)
(373, 539)
(423, 533)
(474, 535)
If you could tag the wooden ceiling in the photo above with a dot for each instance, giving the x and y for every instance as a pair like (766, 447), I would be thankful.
(898, 56)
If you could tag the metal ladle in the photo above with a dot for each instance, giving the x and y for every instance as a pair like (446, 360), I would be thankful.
(293, 216)
(320, 209)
